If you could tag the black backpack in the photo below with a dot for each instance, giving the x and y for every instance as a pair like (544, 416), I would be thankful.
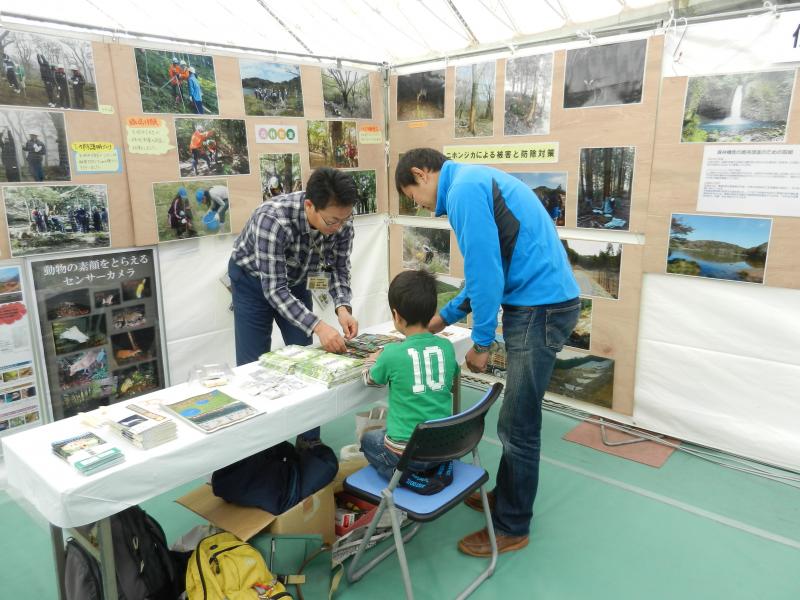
(144, 564)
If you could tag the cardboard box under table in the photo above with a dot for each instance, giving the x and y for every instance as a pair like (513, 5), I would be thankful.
(315, 514)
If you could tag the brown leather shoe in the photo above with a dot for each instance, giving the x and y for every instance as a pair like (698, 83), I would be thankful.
(477, 544)
(475, 503)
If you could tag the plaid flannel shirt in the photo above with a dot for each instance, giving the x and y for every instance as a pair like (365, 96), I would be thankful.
(278, 245)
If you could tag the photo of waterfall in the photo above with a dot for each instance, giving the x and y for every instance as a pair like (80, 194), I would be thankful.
(738, 107)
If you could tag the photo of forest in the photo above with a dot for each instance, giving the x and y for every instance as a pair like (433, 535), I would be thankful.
(420, 96)
(596, 266)
(581, 336)
(280, 174)
(605, 75)
(551, 190)
(46, 71)
(426, 248)
(605, 181)
(211, 147)
(164, 81)
(732, 248)
(738, 107)
(33, 146)
(333, 144)
(474, 97)
(56, 218)
(367, 202)
(346, 94)
(529, 85)
(271, 89)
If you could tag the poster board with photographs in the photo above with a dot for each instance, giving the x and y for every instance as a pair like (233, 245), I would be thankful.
(20, 392)
(77, 131)
(741, 113)
(100, 328)
(615, 136)
(246, 93)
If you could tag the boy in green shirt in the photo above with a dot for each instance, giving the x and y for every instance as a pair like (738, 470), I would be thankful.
(420, 372)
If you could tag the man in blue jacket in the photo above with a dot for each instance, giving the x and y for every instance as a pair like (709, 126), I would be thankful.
(512, 258)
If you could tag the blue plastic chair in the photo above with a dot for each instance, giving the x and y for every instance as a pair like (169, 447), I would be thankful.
(433, 441)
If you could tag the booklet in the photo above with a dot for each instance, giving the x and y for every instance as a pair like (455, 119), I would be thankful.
(143, 428)
(87, 452)
(212, 411)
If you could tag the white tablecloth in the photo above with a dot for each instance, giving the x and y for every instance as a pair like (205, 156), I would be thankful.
(68, 499)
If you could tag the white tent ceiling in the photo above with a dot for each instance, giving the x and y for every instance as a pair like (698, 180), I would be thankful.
(375, 31)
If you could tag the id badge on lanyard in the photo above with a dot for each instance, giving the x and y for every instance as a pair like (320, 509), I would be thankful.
(318, 284)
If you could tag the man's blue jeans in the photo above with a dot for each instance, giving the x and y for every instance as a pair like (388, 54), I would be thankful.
(533, 336)
(253, 317)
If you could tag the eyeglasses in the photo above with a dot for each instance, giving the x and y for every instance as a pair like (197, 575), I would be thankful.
(335, 222)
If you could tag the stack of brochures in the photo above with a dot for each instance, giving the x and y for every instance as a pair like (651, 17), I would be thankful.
(141, 427)
(88, 453)
(365, 344)
(331, 369)
(212, 411)
(313, 364)
(284, 360)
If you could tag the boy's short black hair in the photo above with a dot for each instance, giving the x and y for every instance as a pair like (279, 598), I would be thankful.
(331, 186)
(413, 295)
(421, 158)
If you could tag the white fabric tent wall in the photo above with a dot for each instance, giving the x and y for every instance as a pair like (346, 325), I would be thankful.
(197, 323)
(719, 364)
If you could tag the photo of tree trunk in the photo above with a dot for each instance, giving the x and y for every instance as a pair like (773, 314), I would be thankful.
(596, 266)
(605, 181)
(738, 107)
(605, 75)
(46, 71)
(333, 144)
(529, 85)
(474, 98)
(346, 94)
(33, 146)
(420, 96)
(280, 174)
(366, 189)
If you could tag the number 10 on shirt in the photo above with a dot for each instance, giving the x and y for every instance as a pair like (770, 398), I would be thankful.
(418, 361)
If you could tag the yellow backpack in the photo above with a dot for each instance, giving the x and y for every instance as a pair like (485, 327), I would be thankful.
(223, 567)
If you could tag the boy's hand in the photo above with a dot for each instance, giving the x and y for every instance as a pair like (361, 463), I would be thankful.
(436, 324)
(370, 360)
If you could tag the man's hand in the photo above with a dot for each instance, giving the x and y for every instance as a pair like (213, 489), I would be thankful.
(436, 324)
(348, 323)
(329, 338)
(476, 362)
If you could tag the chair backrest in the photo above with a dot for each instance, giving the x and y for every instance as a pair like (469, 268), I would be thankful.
(452, 437)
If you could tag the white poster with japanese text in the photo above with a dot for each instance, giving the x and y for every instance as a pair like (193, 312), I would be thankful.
(750, 180)
(100, 328)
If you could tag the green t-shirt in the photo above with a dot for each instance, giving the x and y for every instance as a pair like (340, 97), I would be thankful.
(420, 373)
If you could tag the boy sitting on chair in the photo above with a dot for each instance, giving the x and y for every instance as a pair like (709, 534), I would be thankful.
(420, 372)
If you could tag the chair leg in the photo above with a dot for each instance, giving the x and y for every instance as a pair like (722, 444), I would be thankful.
(401, 552)
(493, 541)
(354, 574)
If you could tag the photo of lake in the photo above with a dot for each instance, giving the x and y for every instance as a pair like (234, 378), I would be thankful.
(738, 107)
(732, 248)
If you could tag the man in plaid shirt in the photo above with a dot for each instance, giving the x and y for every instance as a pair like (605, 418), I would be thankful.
(287, 240)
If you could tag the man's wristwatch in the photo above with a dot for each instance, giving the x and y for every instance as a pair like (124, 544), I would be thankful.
(344, 306)
(481, 349)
